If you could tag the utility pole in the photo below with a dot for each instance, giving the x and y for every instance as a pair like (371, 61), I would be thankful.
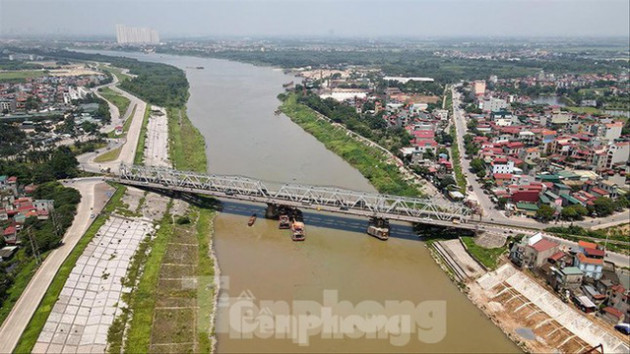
(34, 246)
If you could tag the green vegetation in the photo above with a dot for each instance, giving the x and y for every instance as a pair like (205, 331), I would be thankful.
(545, 213)
(118, 100)
(371, 162)
(20, 76)
(171, 325)
(457, 167)
(186, 144)
(33, 166)
(111, 155)
(12, 285)
(36, 324)
(582, 110)
(129, 119)
(616, 233)
(144, 296)
(489, 257)
(126, 125)
(371, 126)
(142, 138)
(117, 72)
(6, 64)
(81, 147)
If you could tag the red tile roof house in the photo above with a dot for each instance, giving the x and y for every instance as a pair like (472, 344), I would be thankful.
(10, 235)
(513, 148)
(592, 267)
(612, 315)
(502, 179)
(535, 255)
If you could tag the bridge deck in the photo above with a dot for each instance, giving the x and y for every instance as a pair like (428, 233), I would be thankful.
(336, 200)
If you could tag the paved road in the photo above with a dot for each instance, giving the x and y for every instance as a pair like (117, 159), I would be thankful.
(24, 308)
(156, 147)
(129, 143)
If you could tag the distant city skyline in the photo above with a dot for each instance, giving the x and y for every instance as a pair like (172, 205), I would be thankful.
(136, 35)
(319, 18)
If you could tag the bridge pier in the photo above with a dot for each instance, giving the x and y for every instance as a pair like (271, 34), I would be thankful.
(272, 211)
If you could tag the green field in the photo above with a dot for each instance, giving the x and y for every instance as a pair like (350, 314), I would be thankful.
(489, 257)
(121, 102)
(20, 75)
(111, 155)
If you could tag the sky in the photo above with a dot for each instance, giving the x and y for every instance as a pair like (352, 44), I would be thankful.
(319, 18)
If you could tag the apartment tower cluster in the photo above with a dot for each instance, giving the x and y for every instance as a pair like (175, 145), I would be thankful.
(136, 35)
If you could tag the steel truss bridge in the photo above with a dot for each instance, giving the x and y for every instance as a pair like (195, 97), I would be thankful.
(330, 199)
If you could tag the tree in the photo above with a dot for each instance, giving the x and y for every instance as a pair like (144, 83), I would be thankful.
(573, 212)
(477, 165)
(428, 154)
(603, 206)
(446, 181)
(545, 213)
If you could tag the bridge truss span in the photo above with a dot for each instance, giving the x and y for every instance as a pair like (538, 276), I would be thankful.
(294, 195)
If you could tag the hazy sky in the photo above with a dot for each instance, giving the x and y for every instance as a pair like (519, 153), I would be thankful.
(340, 18)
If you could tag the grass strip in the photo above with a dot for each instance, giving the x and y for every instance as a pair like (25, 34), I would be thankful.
(489, 257)
(205, 274)
(457, 166)
(186, 144)
(142, 139)
(36, 324)
(144, 297)
(118, 100)
(111, 155)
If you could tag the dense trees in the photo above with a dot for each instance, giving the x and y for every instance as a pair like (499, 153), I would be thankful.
(371, 126)
(603, 206)
(478, 167)
(41, 166)
(573, 212)
(545, 213)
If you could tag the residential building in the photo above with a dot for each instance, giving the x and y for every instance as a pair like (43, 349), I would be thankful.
(533, 251)
(618, 153)
(592, 267)
(569, 278)
(502, 165)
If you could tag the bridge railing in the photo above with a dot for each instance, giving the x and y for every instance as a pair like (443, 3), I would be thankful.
(246, 188)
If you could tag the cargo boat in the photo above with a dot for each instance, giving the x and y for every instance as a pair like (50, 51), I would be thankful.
(298, 231)
(252, 220)
(284, 222)
(381, 233)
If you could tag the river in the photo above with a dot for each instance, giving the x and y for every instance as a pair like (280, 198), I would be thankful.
(232, 104)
